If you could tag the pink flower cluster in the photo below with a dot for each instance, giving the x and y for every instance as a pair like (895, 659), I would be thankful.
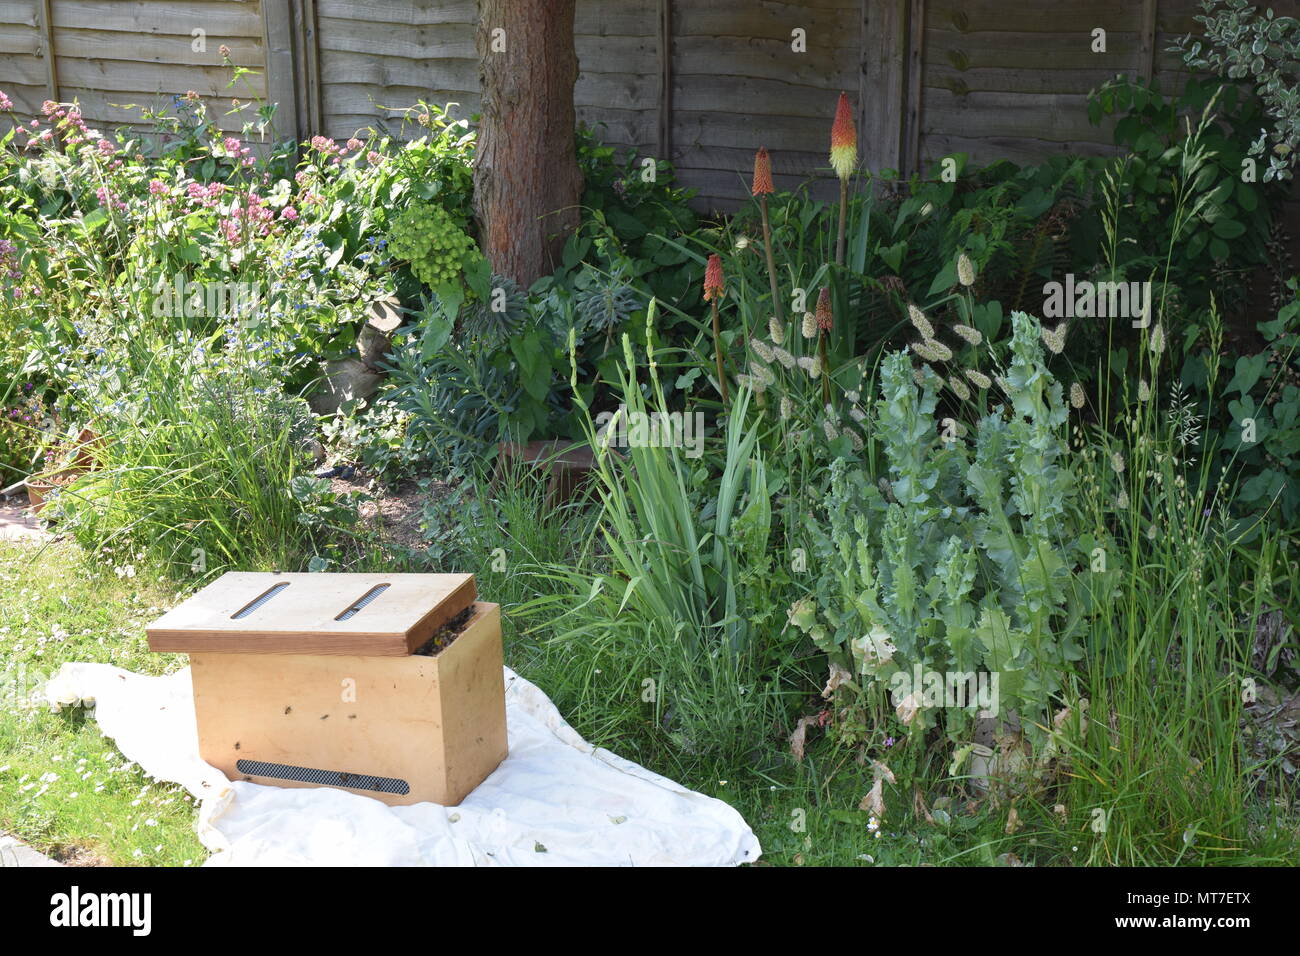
(252, 218)
(206, 196)
(329, 148)
(241, 154)
(65, 121)
(5, 102)
(9, 259)
(108, 200)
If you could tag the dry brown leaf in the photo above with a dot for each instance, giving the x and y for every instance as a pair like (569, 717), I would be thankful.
(837, 677)
(798, 738)
(919, 807)
(1013, 821)
(874, 801)
(880, 770)
(908, 708)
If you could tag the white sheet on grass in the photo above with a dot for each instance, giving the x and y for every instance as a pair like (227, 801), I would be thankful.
(584, 805)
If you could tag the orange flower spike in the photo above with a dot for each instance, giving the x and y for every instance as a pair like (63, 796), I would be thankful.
(824, 309)
(844, 140)
(762, 174)
(713, 282)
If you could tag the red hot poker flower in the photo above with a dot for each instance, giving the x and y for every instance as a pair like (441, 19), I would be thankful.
(762, 174)
(824, 309)
(844, 140)
(713, 281)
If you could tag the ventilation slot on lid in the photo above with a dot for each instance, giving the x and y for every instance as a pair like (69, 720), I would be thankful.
(365, 599)
(258, 601)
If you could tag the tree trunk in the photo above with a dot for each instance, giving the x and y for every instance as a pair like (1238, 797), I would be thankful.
(527, 185)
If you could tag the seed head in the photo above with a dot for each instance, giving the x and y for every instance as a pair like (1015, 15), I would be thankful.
(922, 350)
(920, 322)
(965, 270)
(938, 348)
(1158, 339)
(1054, 339)
(776, 330)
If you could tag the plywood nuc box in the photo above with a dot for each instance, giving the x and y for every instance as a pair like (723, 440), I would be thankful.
(305, 680)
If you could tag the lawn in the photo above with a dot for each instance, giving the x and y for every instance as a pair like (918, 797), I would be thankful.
(64, 788)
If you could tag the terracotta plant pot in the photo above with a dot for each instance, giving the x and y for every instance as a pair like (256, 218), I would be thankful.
(79, 459)
(41, 487)
(567, 465)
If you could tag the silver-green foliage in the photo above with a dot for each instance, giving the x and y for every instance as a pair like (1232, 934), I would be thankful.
(961, 559)
(1243, 42)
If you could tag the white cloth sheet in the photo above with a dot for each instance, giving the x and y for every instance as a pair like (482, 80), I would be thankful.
(555, 801)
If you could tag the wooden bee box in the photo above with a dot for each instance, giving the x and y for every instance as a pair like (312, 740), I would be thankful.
(307, 680)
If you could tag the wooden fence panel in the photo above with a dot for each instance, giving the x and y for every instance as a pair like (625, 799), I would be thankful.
(704, 84)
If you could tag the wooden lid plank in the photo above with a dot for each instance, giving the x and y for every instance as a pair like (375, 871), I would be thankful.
(309, 614)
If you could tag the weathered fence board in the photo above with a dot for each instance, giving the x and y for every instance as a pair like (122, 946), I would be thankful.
(703, 84)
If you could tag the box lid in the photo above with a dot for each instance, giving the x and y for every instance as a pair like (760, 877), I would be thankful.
(379, 615)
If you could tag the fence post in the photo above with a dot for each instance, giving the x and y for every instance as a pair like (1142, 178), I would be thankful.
(882, 89)
(51, 67)
(281, 67)
(311, 118)
(1147, 47)
(666, 79)
(915, 91)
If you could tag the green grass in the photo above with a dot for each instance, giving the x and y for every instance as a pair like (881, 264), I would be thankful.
(64, 788)
(804, 813)
(1180, 716)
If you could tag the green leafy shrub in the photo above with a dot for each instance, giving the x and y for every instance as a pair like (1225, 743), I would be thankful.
(961, 558)
(1196, 222)
(1258, 440)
